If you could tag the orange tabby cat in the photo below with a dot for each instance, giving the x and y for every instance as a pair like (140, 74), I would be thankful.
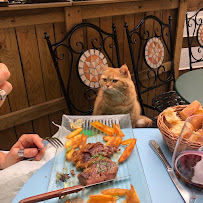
(117, 95)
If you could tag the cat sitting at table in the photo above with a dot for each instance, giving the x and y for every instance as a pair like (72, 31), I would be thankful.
(117, 95)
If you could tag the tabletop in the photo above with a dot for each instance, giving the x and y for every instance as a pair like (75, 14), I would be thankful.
(162, 189)
(189, 86)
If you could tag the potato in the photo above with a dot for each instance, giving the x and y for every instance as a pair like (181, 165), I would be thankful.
(72, 141)
(132, 196)
(74, 133)
(127, 151)
(118, 131)
(114, 192)
(101, 199)
(125, 142)
(69, 154)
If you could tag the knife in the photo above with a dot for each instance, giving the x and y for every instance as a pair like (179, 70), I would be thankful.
(63, 192)
(154, 145)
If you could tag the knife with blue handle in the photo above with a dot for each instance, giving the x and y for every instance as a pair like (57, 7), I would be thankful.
(185, 195)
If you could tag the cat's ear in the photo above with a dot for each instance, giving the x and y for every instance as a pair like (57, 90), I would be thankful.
(124, 70)
(103, 68)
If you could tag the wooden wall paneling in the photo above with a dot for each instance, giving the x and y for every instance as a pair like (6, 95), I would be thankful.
(124, 8)
(17, 98)
(73, 17)
(191, 6)
(106, 25)
(119, 23)
(33, 74)
(51, 83)
(180, 19)
(130, 20)
(31, 113)
(60, 32)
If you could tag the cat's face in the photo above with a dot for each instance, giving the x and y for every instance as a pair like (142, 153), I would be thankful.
(115, 80)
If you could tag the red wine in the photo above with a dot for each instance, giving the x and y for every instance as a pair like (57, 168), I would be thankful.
(189, 169)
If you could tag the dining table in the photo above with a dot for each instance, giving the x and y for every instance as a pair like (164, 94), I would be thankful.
(161, 188)
(189, 86)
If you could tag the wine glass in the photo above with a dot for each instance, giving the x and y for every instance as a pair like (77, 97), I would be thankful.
(188, 157)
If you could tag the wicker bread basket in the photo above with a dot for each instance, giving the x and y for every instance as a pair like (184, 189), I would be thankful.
(169, 137)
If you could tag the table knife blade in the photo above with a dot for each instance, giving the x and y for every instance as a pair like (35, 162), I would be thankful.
(64, 191)
(185, 195)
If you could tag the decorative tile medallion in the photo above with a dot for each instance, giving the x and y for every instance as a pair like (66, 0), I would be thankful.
(89, 67)
(200, 35)
(154, 52)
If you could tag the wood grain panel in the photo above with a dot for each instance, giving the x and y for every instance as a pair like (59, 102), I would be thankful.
(18, 96)
(106, 25)
(31, 113)
(33, 74)
(194, 5)
(33, 17)
(126, 8)
(51, 83)
(119, 23)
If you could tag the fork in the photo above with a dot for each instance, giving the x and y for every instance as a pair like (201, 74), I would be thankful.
(54, 141)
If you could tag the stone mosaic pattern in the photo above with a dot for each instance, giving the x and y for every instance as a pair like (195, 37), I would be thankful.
(200, 35)
(154, 52)
(89, 67)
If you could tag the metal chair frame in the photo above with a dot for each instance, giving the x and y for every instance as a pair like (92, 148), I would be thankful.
(66, 42)
(144, 36)
(193, 25)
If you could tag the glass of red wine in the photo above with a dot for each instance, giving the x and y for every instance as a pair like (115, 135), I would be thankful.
(188, 157)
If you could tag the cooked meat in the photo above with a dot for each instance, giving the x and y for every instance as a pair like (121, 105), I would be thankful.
(90, 150)
(72, 172)
(98, 169)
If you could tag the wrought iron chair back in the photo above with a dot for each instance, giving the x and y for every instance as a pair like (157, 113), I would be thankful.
(194, 25)
(85, 53)
(153, 50)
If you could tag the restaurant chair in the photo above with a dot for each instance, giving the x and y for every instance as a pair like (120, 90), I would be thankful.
(87, 47)
(194, 25)
(151, 49)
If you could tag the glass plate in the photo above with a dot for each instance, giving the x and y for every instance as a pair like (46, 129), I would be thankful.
(130, 171)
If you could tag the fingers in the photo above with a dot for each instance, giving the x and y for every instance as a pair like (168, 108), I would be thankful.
(4, 73)
(31, 140)
(40, 154)
(30, 152)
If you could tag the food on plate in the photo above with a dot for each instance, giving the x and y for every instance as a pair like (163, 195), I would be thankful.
(117, 141)
(170, 115)
(83, 141)
(82, 156)
(111, 141)
(98, 169)
(74, 133)
(101, 199)
(190, 109)
(77, 200)
(77, 124)
(107, 138)
(128, 150)
(72, 172)
(69, 154)
(125, 142)
(72, 141)
(62, 176)
(68, 201)
(117, 130)
(104, 128)
(132, 196)
(114, 191)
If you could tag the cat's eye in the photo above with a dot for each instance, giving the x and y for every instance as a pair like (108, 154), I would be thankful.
(104, 79)
(114, 81)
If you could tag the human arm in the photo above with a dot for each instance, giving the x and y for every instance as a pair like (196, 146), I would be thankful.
(31, 143)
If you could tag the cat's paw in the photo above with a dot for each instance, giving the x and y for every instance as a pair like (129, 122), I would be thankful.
(144, 122)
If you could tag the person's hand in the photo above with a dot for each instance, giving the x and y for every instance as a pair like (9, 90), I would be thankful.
(4, 84)
(31, 143)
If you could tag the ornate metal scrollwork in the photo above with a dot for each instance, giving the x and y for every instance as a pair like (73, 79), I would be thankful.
(194, 26)
(76, 48)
